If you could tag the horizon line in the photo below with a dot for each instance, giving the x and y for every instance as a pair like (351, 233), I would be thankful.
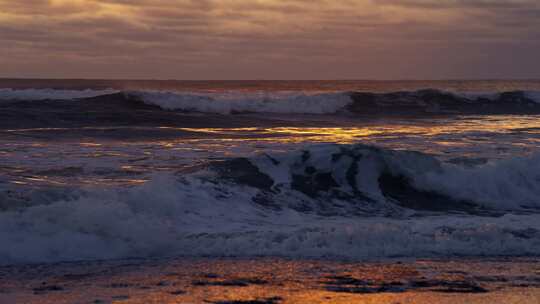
(262, 80)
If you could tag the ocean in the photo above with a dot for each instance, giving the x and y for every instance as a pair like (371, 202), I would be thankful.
(337, 170)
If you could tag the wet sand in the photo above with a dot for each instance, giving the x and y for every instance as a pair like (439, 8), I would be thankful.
(269, 281)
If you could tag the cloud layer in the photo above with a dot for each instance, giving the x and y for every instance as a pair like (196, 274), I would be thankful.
(270, 39)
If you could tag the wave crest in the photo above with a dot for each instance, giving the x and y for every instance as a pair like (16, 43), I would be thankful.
(296, 103)
(367, 180)
(415, 102)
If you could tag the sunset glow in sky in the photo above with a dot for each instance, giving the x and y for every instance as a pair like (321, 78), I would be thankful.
(270, 39)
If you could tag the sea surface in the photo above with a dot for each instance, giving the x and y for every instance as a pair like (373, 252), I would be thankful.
(336, 170)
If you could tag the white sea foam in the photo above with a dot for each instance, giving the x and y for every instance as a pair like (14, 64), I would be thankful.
(52, 94)
(167, 218)
(195, 216)
(509, 183)
(227, 103)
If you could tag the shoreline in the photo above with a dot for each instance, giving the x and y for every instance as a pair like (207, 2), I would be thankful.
(274, 280)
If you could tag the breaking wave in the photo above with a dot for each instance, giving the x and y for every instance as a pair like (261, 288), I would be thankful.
(366, 180)
(328, 103)
(335, 201)
(422, 101)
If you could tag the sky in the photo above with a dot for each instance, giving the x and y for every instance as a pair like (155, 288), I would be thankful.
(270, 39)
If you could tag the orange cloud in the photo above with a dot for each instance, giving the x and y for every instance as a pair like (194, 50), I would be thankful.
(268, 38)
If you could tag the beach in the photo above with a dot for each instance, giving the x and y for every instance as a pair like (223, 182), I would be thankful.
(274, 280)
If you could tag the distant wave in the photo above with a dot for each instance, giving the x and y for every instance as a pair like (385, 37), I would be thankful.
(51, 94)
(352, 201)
(327, 103)
(414, 102)
(433, 101)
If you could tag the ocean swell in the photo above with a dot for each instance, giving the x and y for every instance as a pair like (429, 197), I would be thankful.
(234, 102)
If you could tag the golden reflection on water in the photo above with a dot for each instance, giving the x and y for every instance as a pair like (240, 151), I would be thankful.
(346, 134)
(286, 134)
(89, 144)
(498, 124)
